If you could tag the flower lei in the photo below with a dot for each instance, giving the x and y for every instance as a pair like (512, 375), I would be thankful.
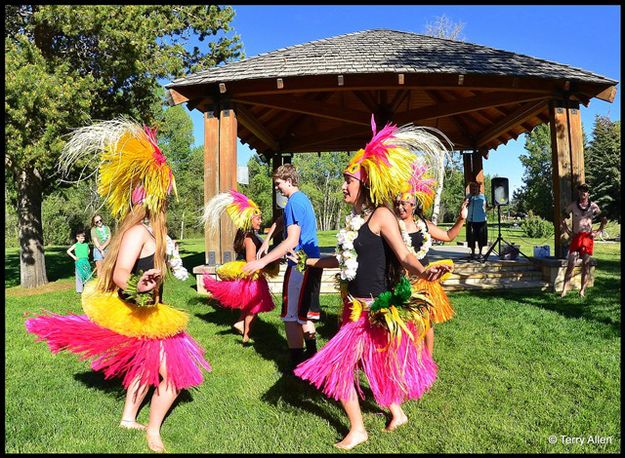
(427, 238)
(345, 252)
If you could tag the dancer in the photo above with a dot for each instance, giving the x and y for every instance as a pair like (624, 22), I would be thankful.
(79, 251)
(249, 293)
(127, 331)
(582, 244)
(383, 320)
(418, 234)
(300, 296)
(101, 237)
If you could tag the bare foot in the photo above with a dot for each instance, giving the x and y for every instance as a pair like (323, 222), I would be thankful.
(154, 441)
(396, 423)
(352, 439)
(582, 292)
(564, 291)
(131, 424)
(238, 326)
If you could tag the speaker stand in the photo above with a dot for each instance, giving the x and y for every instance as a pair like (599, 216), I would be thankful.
(500, 239)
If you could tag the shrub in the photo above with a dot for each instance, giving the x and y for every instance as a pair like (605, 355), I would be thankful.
(535, 227)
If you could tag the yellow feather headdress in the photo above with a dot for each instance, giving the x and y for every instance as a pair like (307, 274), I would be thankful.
(131, 167)
(240, 208)
(386, 162)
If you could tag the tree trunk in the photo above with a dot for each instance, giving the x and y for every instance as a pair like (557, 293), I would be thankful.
(439, 192)
(32, 259)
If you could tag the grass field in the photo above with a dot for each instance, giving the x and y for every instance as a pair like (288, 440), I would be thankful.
(515, 368)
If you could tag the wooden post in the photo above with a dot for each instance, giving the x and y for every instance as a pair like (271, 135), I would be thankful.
(468, 171)
(227, 175)
(477, 169)
(562, 171)
(212, 242)
(276, 161)
(576, 139)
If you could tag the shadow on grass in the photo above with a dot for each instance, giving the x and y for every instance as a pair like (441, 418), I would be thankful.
(58, 266)
(114, 386)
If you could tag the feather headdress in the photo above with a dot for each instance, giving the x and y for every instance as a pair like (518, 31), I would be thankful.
(386, 162)
(239, 207)
(131, 167)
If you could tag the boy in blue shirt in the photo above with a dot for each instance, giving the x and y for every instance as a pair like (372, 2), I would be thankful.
(300, 296)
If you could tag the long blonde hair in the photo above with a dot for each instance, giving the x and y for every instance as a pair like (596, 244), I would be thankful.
(158, 222)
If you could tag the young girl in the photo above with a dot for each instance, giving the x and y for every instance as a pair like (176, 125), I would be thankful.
(418, 233)
(249, 293)
(79, 251)
(126, 330)
(101, 237)
(382, 322)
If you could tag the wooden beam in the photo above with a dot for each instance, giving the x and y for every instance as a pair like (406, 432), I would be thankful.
(607, 94)
(561, 161)
(460, 125)
(516, 117)
(467, 104)
(227, 175)
(212, 242)
(366, 99)
(576, 140)
(251, 123)
(177, 97)
(330, 135)
(309, 107)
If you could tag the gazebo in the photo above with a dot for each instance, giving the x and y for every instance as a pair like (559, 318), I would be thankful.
(319, 96)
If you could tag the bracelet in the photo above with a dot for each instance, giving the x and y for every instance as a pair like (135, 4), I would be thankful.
(131, 294)
(301, 263)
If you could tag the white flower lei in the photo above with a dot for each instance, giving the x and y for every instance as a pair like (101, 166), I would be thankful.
(427, 239)
(345, 252)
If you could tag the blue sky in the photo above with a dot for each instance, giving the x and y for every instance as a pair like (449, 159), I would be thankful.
(586, 37)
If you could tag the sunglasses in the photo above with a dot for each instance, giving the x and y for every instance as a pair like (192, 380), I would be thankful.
(403, 204)
(98, 221)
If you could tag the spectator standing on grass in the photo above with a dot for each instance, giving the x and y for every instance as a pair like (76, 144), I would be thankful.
(100, 237)
(477, 226)
(79, 251)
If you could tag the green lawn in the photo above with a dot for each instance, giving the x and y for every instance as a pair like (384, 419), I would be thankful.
(514, 369)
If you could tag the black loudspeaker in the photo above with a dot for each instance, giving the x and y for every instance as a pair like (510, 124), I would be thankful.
(499, 188)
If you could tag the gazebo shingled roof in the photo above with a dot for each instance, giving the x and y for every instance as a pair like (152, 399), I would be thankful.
(319, 96)
(382, 51)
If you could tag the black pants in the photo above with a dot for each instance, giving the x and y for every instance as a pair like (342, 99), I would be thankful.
(477, 232)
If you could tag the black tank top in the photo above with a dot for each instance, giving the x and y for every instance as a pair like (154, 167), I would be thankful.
(143, 264)
(257, 241)
(373, 256)
(417, 243)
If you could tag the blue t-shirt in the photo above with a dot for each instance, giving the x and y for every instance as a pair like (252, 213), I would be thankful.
(477, 208)
(300, 211)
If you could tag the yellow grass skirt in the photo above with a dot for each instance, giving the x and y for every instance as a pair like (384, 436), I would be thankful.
(106, 309)
(441, 310)
(233, 271)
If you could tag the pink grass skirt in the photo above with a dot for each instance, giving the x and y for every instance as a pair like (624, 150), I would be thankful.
(121, 356)
(252, 296)
(396, 372)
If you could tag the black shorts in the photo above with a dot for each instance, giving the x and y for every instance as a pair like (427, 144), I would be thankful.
(477, 232)
(300, 295)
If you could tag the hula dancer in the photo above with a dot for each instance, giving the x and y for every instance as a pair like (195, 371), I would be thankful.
(126, 330)
(383, 320)
(237, 290)
(418, 234)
